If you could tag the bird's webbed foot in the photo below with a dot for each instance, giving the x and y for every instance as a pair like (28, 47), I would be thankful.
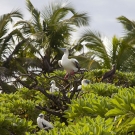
(66, 76)
(69, 74)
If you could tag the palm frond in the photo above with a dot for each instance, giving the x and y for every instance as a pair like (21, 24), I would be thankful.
(6, 44)
(115, 44)
(14, 52)
(35, 15)
(95, 44)
(16, 13)
(7, 88)
(79, 19)
(56, 11)
(87, 62)
(14, 32)
(6, 18)
(124, 52)
(129, 27)
(31, 62)
(25, 27)
(127, 24)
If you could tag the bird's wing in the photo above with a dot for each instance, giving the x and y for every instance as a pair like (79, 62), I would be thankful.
(79, 87)
(107, 74)
(46, 124)
(46, 67)
(72, 89)
(50, 89)
(59, 63)
(75, 62)
(56, 88)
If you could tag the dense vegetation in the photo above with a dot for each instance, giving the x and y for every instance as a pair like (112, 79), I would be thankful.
(29, 55)
(100, 108)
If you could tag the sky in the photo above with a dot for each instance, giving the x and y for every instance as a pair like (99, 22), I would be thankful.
(103, 13)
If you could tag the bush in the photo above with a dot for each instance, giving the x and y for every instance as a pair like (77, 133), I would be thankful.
(100, 108)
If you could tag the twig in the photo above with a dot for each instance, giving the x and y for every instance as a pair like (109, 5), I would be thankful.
(55, 76)
(56, 113)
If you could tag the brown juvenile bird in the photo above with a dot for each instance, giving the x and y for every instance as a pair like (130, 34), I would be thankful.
(110, 73)
(46, 67)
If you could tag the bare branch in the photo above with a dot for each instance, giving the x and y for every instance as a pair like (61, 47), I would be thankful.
(56, 113)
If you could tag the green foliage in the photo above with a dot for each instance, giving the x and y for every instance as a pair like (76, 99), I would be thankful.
(88, 105)
(10, 123)
(96, 45)
(100, 108)
(18, 112)
(124, 79)
(123, 109)
(95, 75)
(101, 89)
(87, 126)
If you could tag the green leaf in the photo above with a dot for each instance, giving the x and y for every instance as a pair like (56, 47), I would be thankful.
(133, 106)
(132, 122)
(114, 112)
(116, 103)
(89, 110)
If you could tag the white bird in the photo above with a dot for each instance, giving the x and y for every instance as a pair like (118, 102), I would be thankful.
(42, 123)
(70, 65)
(53, 87)
(84, 82)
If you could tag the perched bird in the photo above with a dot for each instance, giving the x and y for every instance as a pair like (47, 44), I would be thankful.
(42, 123)
(110, 73)
(53, 87)
(84, 82)
(46, 67)
(70, 65)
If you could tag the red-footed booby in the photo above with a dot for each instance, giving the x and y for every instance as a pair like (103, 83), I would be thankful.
(110, 73)
(42, 123)
(70, 65)
(53, 87)
(84, 82)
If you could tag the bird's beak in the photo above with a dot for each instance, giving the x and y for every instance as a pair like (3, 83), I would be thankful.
(87, 81)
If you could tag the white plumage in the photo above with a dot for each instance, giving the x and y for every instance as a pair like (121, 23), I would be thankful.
(42, 123)
(84, 82)
(70, 65)
(53, 87)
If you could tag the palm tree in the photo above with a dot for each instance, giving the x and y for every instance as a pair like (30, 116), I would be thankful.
(129, 29)
(8, 48)
(119, 52)
(50, 29)
(123, 53)
(94, 42)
